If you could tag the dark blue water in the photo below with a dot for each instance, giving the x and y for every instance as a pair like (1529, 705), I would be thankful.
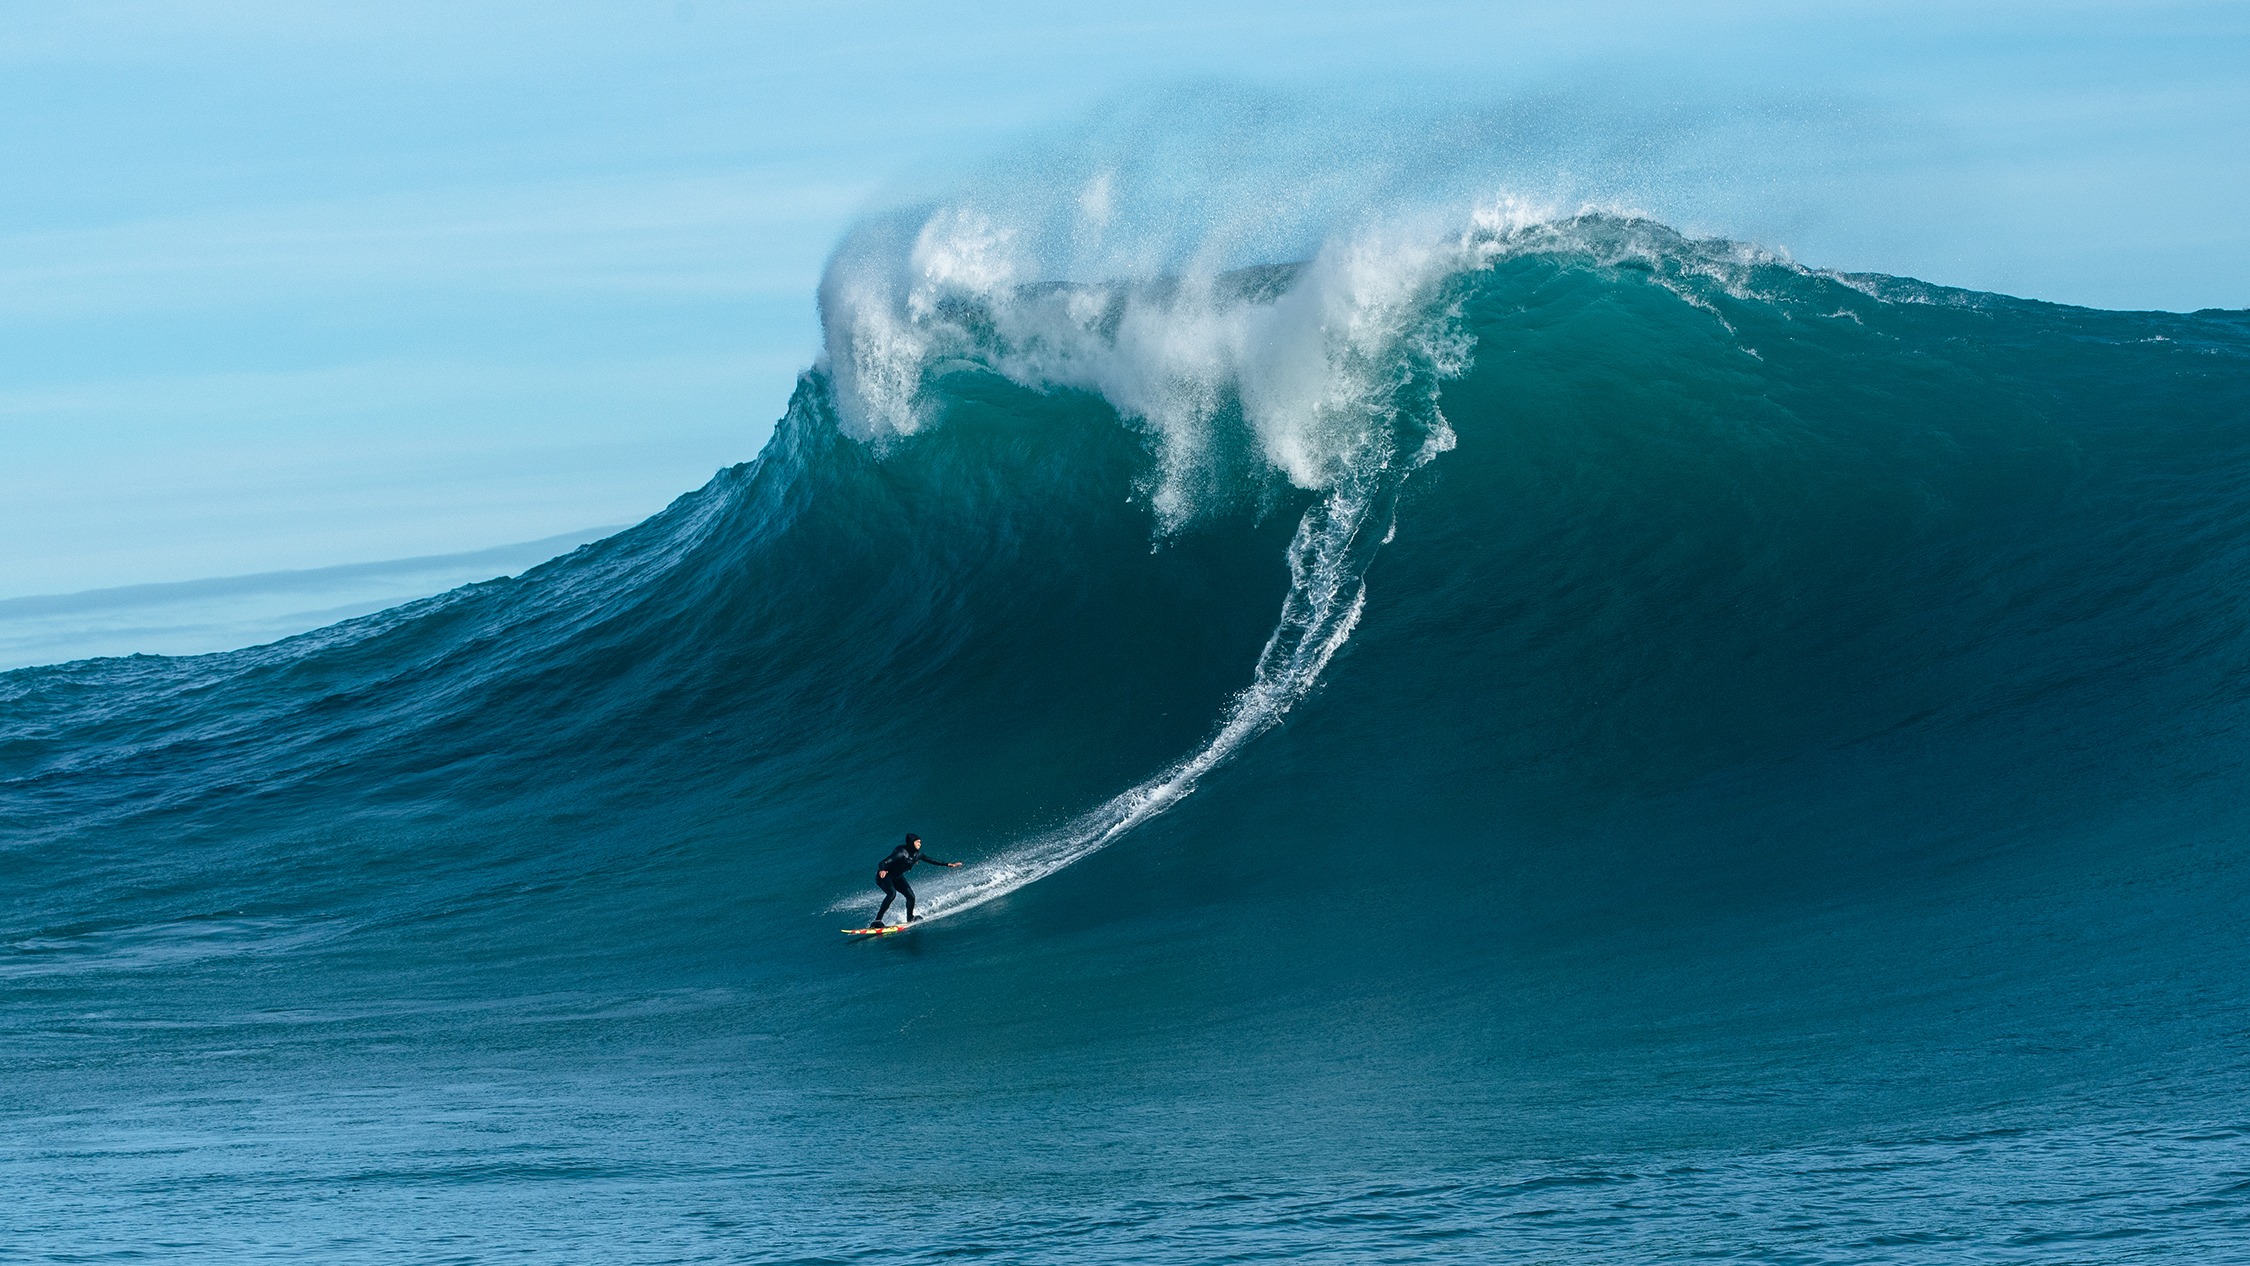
(1575, 744)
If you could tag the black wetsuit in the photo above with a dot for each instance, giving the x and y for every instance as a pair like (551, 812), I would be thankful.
(891, 875)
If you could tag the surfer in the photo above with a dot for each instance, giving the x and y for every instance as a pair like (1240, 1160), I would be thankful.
(891, 876)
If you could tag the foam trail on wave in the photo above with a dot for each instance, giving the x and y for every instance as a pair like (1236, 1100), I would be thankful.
(1328, 590)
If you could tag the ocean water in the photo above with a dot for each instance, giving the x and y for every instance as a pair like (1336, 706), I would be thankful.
(1543, 739)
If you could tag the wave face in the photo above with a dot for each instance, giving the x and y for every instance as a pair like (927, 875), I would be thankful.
(1456, 737)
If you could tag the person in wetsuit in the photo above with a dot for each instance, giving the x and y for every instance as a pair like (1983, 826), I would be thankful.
(891, 876)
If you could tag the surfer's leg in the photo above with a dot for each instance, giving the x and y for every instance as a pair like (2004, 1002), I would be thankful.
(906, 891)
(890, 894)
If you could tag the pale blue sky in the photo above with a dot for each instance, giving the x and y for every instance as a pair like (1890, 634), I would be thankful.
(289, 285)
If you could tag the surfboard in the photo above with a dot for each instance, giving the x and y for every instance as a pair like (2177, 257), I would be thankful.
(882, 931)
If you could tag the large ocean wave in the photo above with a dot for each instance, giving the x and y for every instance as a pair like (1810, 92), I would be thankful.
(1525, 681)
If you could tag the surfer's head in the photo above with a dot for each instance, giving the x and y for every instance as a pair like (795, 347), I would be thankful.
(914, 841)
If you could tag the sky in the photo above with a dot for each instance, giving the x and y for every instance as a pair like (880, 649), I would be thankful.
(299, 285)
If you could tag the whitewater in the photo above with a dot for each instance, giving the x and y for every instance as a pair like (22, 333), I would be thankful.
(1485, 727)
